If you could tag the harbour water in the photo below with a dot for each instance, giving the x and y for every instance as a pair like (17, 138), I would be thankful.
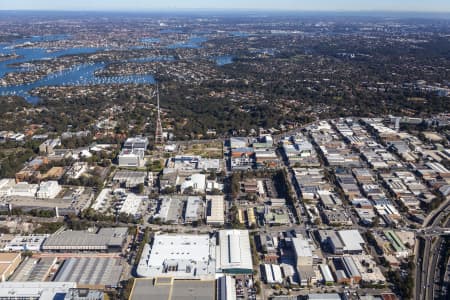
(77, 75)
(83, 74)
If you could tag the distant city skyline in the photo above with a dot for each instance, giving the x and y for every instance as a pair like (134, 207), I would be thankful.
(299, 5)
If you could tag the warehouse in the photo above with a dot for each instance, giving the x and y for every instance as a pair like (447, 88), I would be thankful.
(129, 179)
(179, 256)
(196, 183)
(343, 241)
(48, 190)
(8, 264)
(167, 288)
(226, 288)
(105, 240)
(96, 272)
(34, 290)
(132, 158)
(215, 210)
(399, 248)
(328, 296)
(272, 274)
(233, 253)
(34, 269)
(303, 252)
(26, 243)
(352, 240)
(194, 205)
(129, 203)
(347, 265)
(169, 209)
(326, 274)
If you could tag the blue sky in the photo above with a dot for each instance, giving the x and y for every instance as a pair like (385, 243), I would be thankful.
(307, 5)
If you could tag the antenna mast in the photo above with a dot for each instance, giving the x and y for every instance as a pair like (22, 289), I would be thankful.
(159, 138)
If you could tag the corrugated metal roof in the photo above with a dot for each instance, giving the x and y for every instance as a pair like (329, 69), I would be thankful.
(326, 273)
(350, 266)
(234, 249)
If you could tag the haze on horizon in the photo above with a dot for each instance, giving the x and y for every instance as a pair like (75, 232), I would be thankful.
(441, 6)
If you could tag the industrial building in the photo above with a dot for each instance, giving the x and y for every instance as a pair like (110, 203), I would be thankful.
(234, 253)
(272, 274)
(34, 290)
(26, 243)
(168, 210)
(195, 182)
(215, 210)
(343, 241)
(45, 190)
(226, 288)
(8, 264)
(48, 190)
(84, 294)
(78, 168)
(251, 218)
(129, 179)
(397, 245)
(34, 269)
(303, 252)
(92, 272)
(140, 143)
(179, 256)
(327, 296)
(193, 164)
(326, 274)
(166, 288)
(196, 256)
(24, 189)
(129, 203)
(119, 200)
(132, 158)
(346, 270)
(133, 151)
(105, 240)
(194, 206)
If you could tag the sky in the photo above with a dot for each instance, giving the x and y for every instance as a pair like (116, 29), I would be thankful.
(301, 5)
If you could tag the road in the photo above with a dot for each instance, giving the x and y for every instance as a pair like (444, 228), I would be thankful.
(426, 262)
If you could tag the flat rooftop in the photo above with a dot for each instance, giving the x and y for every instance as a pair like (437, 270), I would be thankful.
(75, 240)
(91, 271)
(33, 269)
(171, 289)
(187, 256)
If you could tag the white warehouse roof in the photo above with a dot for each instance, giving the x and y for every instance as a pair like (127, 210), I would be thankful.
(234, 254)
(180, 256)
(302, 247)
(351, 239)
(34, 290)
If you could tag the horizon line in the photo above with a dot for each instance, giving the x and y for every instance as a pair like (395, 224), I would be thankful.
(250, 10)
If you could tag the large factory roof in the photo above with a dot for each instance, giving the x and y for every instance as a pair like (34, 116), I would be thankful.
(171, 289)
(104, 239)
(234, 254)
(180, 256)
(91, 271)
